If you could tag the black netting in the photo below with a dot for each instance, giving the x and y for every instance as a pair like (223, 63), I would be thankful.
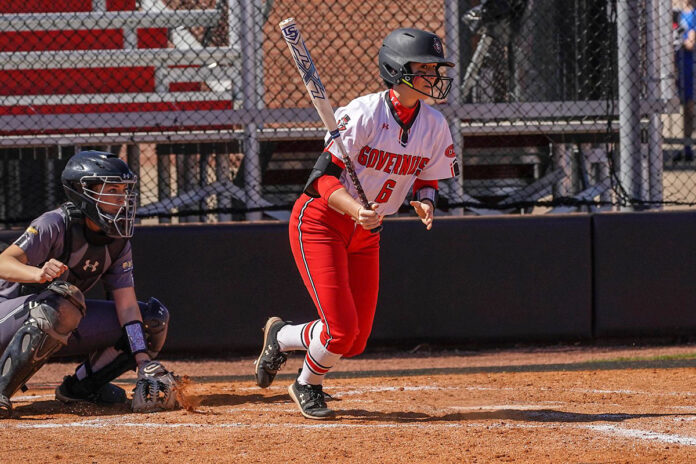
(557, 106)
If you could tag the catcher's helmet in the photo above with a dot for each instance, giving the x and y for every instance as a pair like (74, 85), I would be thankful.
(85, 179)
(408, 45)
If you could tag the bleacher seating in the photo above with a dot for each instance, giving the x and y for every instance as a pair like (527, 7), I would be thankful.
(61, 58)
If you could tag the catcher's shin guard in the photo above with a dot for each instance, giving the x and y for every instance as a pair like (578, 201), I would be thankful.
(29, 349)
(53, 315)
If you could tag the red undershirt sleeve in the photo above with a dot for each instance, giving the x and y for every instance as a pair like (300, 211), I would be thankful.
(326, 185)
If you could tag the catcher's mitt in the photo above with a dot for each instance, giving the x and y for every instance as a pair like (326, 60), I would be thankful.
(154, 389)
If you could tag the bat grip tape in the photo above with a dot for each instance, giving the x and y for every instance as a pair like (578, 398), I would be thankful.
(135, 333)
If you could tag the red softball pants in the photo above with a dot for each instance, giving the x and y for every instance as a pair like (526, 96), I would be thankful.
(339, 264)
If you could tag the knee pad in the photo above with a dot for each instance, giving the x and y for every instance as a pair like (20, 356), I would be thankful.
(58, 310)
(156, 321)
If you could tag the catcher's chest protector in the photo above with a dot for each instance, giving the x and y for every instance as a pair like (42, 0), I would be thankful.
(86, 261)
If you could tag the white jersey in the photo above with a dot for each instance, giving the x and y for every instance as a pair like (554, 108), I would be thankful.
(388, 156)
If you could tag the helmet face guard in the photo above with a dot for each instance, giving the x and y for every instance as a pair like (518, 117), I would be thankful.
(116, 211)
(438, 85)
(88, 180)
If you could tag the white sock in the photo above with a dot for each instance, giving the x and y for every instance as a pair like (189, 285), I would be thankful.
(297, 337)
(318, 361)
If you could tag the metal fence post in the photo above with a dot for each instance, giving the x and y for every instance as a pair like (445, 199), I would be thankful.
(250, 92)
(452, 24)
(629, 98)
(655, 123)
(668, 81)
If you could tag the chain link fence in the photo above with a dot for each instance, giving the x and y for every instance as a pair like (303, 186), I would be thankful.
(558, 106)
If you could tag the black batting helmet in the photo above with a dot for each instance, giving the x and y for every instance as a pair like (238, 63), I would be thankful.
(85, 180)
(409, 45)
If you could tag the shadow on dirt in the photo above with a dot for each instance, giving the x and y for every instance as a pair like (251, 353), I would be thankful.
(226, 399)
(539, 415)
(39, 410)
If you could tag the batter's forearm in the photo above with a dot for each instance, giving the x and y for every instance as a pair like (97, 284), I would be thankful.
(342, 201)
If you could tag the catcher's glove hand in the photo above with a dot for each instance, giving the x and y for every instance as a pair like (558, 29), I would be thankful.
(154, 389)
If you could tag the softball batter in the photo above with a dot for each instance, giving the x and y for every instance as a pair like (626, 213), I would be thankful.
(397, 143)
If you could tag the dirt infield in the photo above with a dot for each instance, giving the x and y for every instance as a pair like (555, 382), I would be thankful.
(569, 404)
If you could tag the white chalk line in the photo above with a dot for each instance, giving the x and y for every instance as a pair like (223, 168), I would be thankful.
(125, 422)
(643, 434)
(105, 423)
(630, 392)
(30, 398)
(135, 421)
(357, 390)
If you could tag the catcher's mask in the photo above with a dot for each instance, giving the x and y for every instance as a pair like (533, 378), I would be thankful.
(88, 179)
(408, 45)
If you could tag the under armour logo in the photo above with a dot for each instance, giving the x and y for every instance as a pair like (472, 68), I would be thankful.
(385, 125)
(90, 267)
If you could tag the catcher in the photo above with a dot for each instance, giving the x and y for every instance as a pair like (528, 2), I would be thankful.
(43, 312)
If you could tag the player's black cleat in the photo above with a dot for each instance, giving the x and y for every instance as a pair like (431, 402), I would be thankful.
(70, 391)
(310, 399)
(271, 358)
(5, 407)
(327, 397)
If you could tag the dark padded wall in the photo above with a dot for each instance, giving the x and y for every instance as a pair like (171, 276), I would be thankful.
(219, 282)
(485, 278)
(645, 273)
(466, 279)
